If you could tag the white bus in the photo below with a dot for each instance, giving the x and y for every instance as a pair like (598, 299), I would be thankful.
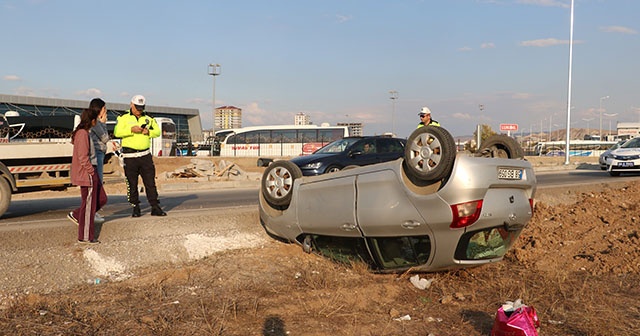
(165, 144)
(576, 147)
(278, 140)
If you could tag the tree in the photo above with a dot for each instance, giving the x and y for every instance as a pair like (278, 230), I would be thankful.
(485, 132)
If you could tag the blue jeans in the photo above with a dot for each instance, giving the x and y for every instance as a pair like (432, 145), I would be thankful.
(100, 165)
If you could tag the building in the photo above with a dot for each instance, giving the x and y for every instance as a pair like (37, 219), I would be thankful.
(187, 120)
(628, 129)
(227, 117)
(301, 119)
(355, 129)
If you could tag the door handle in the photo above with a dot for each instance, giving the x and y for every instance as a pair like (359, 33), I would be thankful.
(348, 226)
(411, 224)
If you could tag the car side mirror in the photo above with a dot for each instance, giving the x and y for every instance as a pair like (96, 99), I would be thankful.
(355, 153)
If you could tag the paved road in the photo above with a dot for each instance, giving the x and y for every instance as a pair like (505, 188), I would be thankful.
(53, 211)
(201, 196)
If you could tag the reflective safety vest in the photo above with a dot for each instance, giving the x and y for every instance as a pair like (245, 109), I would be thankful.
(137, 141)
(431, 123)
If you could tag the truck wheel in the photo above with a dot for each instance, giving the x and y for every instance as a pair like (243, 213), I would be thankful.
(277, 182)
(429, 155)
(501, 146)
(5, 195)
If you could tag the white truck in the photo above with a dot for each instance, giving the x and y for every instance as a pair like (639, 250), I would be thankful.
(31, 165)
(36, 151)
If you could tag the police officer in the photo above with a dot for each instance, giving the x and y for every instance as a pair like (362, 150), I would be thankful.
(425, 118)
(136, 129)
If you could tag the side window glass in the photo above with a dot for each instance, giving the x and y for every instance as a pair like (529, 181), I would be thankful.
(402, 252)
(342, 249)
(391, 146)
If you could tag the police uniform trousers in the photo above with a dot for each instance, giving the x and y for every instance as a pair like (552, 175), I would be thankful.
(144, 167)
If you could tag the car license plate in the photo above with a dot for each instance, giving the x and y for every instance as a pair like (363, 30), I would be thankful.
(509, 174)
(625, 164)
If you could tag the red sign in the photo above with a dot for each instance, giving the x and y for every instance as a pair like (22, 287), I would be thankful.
(508, 127)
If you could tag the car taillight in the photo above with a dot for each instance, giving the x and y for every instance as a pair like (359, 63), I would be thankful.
(465, 214)
(531, 204)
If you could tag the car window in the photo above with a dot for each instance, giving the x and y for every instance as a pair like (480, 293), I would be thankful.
(337, 146)
(366, 146)
(485, 244)
(342, 249)
(401, 252)
(633, 143)
(386, 145)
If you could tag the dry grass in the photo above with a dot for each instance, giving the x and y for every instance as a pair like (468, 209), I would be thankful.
(278, 289)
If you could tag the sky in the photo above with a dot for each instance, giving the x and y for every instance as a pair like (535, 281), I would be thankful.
(470, 61)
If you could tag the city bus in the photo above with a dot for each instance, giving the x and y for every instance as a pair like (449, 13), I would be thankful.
(576, 147)
(278, 140)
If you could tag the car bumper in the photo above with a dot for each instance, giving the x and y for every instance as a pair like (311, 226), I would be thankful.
(614, 165)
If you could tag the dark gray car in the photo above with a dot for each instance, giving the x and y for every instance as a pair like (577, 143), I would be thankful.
(350, 151)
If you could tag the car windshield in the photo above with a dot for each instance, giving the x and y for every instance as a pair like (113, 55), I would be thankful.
(337, 146)
(633, 143)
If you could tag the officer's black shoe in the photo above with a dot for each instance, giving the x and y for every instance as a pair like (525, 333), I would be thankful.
(157, 211)
(136, 211)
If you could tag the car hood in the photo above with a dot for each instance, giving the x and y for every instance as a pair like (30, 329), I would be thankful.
(626, 151)
(306, 159)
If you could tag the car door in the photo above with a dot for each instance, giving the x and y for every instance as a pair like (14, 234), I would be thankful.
(383, 208)
(359, 157)
(327, 206)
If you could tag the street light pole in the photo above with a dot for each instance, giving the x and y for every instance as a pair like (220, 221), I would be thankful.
(393, 97)
(214, 70)
(610, 116)
(567, 154)
(600, 111)
(588, 120)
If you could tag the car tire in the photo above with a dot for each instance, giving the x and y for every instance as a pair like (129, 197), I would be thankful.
(5, 195)
(501, 146)
(332, 169)
(277, 182)
(429, 155)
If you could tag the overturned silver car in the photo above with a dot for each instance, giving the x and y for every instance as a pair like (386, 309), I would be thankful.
(428, 211)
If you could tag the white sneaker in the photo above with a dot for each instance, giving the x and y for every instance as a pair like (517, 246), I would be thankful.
(98, 219)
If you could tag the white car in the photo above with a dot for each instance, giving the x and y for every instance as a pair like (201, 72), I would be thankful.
(607, 154)
(624, 159)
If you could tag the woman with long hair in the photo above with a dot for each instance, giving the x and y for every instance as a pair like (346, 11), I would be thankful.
(100, 138)
(84, 174)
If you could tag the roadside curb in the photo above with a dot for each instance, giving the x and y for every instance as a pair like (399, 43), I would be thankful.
(195, 186)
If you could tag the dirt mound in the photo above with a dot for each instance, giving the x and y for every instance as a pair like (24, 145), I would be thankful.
(597, 234)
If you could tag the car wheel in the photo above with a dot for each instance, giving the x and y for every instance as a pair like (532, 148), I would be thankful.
(429, 154)
(501, 146)
(277, 182)
(5, 195)
(332, 169)
(614, 173)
